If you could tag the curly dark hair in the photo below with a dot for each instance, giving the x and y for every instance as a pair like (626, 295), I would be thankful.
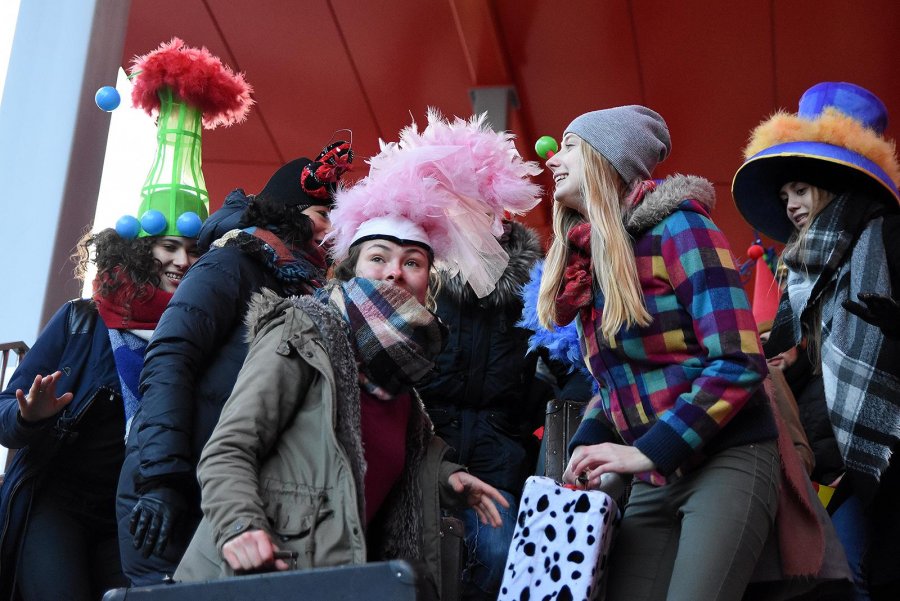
(285, 221)
(110, 252)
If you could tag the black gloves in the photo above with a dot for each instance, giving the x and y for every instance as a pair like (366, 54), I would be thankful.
(880, 311)
(154, 518)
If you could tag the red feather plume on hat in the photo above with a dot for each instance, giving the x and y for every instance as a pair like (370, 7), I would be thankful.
(196, 76)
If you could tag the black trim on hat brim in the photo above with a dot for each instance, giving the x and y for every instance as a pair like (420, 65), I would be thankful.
(396, 240)
(757, 184)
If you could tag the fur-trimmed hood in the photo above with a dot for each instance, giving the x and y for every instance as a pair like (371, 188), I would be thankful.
(524, 248)
(263, 307)
(671, 192)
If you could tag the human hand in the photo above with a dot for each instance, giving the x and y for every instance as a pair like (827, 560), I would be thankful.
(589, 462)
(784, 360)
(480, 496)
(41, 401)
(878, 310)
(154, 518)
(252, 550)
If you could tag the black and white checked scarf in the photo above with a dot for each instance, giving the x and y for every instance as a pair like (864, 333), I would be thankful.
(843, 255)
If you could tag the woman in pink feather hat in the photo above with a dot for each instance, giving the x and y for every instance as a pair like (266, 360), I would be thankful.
(324, 447)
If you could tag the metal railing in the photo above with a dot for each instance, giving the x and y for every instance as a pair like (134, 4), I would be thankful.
(19, 348)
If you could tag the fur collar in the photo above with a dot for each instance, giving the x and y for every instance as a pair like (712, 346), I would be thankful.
(264, 306)
(524, 249)
(661, 202)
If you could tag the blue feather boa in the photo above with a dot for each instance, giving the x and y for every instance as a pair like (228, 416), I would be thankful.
(562, 343)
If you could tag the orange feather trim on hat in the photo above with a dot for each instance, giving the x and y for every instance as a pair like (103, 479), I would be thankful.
(833, 127)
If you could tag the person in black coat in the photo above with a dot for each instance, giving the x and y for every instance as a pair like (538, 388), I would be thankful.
(479, 398)
(271, 240)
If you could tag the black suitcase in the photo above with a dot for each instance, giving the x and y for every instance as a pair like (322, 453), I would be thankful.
(563, 418)
(378, 581)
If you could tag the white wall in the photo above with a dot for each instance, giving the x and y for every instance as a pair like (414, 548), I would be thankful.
(51, 154)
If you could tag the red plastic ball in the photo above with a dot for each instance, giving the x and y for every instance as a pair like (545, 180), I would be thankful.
(755, 251)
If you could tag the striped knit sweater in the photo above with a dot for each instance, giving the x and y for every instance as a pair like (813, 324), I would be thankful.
(690, 383)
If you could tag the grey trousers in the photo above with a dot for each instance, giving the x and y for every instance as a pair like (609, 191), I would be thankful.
(698, 539)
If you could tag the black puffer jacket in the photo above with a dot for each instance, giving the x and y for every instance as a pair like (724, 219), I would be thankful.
(478, 396)
(193, 360)
(190, 367)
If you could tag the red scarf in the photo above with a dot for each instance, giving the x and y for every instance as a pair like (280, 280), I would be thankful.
(577, 278)
(141, 312)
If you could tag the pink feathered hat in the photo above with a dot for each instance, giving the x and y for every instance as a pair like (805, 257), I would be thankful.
(451, 183)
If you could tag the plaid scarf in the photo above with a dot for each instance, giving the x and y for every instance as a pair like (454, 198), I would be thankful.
(396, 338)
(299, 271)
(843, 254)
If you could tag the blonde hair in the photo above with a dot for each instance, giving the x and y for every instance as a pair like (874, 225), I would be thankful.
(612, 255)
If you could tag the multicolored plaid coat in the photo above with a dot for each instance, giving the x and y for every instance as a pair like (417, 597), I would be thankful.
(690, 383)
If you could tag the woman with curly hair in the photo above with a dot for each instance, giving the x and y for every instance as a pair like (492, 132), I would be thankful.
(66, 409)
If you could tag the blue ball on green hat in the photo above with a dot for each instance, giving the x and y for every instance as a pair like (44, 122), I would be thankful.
(128, 227)
(188, 224)
(153, 222)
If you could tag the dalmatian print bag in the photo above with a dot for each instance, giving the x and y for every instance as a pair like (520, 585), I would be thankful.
(561, 544)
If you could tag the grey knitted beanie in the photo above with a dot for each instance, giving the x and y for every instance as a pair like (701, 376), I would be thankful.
(632, 138)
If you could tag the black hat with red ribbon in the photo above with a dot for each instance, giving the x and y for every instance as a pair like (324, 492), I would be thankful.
(307, 183)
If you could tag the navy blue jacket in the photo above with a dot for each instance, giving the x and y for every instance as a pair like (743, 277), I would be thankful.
(76, 342)
(192, 362)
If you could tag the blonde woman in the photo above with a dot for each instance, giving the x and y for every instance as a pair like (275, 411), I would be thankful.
(667, 331)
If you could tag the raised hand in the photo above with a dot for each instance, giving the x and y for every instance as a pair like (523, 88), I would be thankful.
(41, 401)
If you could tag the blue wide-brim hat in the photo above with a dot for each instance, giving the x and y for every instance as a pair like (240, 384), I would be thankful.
(834, 142)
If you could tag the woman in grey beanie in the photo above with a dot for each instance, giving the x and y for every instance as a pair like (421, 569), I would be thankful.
(668, 333)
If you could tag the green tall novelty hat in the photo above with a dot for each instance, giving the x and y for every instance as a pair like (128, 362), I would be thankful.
(186, 89)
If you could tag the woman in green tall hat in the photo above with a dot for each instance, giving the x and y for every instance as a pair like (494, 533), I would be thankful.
(271, 239)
